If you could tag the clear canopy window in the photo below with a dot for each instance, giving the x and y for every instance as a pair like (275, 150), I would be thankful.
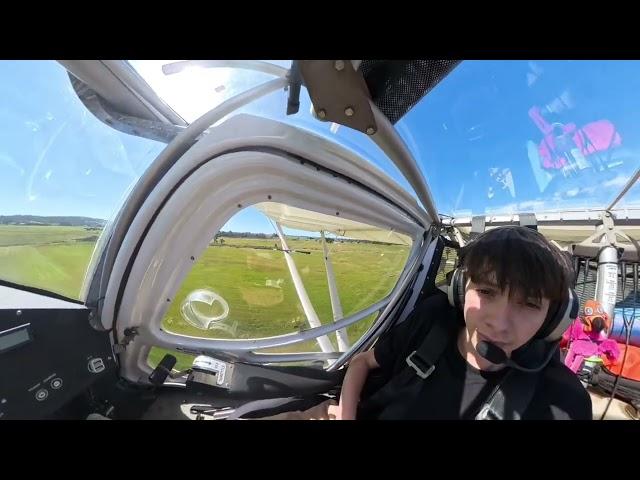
(64, 174)
(529, 136)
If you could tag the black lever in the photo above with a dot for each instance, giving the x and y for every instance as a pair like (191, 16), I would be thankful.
(162, 371)
(218, 413)
(295, 82)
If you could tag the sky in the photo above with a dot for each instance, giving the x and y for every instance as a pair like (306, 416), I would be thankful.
(473, 136)
(480, 147)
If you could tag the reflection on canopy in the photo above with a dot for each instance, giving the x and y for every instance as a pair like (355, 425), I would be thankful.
(300, 219)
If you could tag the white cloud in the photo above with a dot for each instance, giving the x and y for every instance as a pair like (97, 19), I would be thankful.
(619, 181)
(526, 206)
(33, 126)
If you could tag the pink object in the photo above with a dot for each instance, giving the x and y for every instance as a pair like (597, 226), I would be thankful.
(593, 137)
(583, 345)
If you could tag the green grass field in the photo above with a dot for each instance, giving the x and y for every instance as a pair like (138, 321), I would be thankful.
(248, 273)
(49, 257)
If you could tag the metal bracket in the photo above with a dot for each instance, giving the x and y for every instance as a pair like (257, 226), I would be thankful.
(295, 82)
(217, 413)
(608, 234)
(528, 220)
(339, 93)
(211, 371)
(129, 335)
(477, 226)
(609, 228)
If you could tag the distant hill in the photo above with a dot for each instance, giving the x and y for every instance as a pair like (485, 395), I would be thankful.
(231, 234)
(59, 221)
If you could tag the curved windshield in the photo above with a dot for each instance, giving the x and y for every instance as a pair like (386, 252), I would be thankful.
(528, 136)
(193, 89)
(64, 174)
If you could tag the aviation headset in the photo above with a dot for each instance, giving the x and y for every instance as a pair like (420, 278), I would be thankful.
(557, 321)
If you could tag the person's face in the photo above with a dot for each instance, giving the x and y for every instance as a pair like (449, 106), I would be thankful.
(491, 315)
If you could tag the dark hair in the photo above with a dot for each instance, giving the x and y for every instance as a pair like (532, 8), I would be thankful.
(520, 258)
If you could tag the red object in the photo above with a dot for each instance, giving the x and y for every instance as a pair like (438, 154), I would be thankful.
(631, 364)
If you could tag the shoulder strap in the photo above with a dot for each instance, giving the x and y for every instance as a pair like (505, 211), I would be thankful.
(510, 398)
(422, 362)
(508, 401)
(424, 359)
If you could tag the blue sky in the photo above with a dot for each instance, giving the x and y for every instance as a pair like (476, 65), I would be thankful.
(478, 145)
(472, 135)
(56, 157)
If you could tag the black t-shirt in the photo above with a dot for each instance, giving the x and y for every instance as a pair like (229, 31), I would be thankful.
(456, 390)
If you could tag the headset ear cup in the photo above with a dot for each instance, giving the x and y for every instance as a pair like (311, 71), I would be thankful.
(456, 289)
(460, 286)
(451, 291)
(565, 315)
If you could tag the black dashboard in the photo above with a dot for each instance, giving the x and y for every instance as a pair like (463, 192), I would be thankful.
(49, 354)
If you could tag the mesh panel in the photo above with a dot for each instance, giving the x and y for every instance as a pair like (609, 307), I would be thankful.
(447, 264)
(586, 285)
(397, 85)
(629, 299)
